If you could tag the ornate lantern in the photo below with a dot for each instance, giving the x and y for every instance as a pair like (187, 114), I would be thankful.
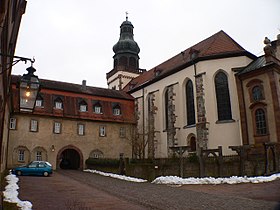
(28, 90)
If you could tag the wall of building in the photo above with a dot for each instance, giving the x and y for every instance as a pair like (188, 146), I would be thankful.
(223, 134)
(122, 77)
(10, 18)
(110, 145)
(271, 124)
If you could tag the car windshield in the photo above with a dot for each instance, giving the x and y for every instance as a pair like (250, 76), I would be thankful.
(49, 164)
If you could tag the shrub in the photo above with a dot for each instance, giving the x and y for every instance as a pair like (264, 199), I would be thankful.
(103, 162)
(193, 158)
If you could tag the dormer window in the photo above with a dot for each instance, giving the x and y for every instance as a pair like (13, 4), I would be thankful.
(117, 110)
(58, 103)
(83, 106)
(97, 108)
(39, 101)
(157, 72)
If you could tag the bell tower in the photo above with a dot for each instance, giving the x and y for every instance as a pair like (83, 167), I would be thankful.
(126, 58)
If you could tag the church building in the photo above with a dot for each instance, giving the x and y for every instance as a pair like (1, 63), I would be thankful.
(214, 93)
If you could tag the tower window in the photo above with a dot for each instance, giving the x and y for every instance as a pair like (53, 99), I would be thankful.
(132, 62)
(260, 122)
(257, 93)
(123, 61)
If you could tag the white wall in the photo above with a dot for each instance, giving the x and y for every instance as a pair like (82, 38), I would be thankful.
(224, 134)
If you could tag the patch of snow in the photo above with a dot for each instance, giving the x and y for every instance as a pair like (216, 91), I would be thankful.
(116, 176)
(174, 180)
(11, 193)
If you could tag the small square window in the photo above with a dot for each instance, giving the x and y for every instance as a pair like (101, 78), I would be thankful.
(81, 129)
(39, 103)
(34, 125)
(21, 155)
(97, 109)
(83, 108)
(122, 132)
(102, 131)
(116, 111)
(58, 105)
(13, 123)
(57, 127)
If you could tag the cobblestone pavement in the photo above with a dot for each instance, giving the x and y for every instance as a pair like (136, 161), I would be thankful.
(82, 191)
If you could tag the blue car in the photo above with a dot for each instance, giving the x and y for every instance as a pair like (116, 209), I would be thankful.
(41, 168)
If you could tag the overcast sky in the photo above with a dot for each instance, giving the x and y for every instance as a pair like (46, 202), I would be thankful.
(72, 40)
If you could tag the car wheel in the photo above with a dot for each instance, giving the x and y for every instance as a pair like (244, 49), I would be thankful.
(46, 173)
(19, 173)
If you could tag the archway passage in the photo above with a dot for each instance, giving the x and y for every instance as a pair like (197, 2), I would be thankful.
(70, 159)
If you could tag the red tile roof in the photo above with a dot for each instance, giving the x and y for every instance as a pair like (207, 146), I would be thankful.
(219, 45)
(75, 88)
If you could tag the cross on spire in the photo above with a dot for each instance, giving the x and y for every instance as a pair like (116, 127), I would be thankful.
(126, 16)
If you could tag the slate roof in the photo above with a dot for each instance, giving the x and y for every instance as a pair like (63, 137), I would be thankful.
(219, 45)
(254, 65)
(76, 88)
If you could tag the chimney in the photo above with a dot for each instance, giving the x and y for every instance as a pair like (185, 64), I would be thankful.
(84, 85)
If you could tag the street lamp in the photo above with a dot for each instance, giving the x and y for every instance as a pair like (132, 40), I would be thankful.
(29, 84)
(28, 90)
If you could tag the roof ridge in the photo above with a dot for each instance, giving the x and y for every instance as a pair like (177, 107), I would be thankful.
(217, 45)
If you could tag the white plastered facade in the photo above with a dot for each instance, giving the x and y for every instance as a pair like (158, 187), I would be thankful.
(220, 134)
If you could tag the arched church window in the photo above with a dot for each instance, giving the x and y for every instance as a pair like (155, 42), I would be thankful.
(166, 109)
(115, 63)
(193, 144)
(190, 103)
(261, 128)
(222, 97)
(132, 62)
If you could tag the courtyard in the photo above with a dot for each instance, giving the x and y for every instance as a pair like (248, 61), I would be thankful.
(71, 189)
